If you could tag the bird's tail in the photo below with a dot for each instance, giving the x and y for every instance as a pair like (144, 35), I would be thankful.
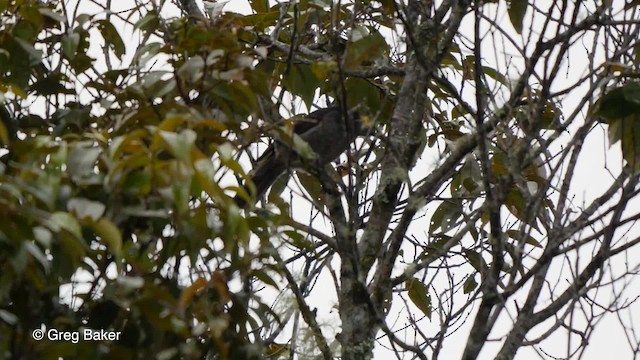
(265, 175)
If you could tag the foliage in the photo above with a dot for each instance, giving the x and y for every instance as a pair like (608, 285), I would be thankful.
(120, 159)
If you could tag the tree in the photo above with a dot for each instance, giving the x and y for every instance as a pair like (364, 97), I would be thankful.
(457, 227)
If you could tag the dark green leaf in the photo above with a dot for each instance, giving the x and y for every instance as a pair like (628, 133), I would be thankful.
(70, 44)
(528, 239)
(313, 188)
(517, 11)
(476, 260)
(260, 6)
(111, 37)
(446, 215)
(366, 50)
(469, 285)
(302, 82)
(419, 295)
(620, 102)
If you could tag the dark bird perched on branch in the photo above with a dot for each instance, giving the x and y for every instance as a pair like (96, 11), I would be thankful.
(326, 132)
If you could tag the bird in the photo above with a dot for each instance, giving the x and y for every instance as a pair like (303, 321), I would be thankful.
(324, 130)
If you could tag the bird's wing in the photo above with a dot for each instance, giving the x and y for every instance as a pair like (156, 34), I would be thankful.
(304, 123)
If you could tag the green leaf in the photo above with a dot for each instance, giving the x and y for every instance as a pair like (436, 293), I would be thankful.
(279, 186)
(192, 69)
(130, 282)
(528, 239)
(82, 160)
(52, 14)
(313, 187)
(259, 6)
(35, 56)
(70, 44)
(629, 130)
(111, 37)
(365, 50)
(469, 285)
(37, 254)
(322, 69)
(70, 238)
(51, 85)
(516, 204)
(4, 134)
(362, 91)
(180, 144)
(147, 52)
(302, 148)
(299, 240)
(620, 102)
(446, 215)
(85, 209)
(517, 10)
(495, 75)
(149, 22)
(109, 234)
(265, 278)
(302, 82)
(64, 221)
(419, 295)
(8, 317)
(435, 246)
(476, 260)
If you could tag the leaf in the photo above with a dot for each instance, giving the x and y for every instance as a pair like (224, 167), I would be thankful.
(630, 139)
(435, 246)
(301, 81)
(110, 235)
(70, 238)
(620, 102)
(147, 52)
(51, 85)
(259, 6)
(180, 144)
(265, 278)
(419, 295)
(475, 260)
(469, 285)
(8, 317)
(303, 148)
(130, 282)
(528, 239)
(365, 50)
(360, 91)
(37, 254)
(313, 187)
(495, 75)
(517, 10)
(446, 215)
(70, 44)
(111, 37)
(322, 69)
(149, 22)
(64, 221)
(190, 291)
(52, 14)
(279, 186)
(35, 56)
(82, 160)
(204, 173)
(192, 69)
(516, 204)
(4, 134)
(85, 209)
